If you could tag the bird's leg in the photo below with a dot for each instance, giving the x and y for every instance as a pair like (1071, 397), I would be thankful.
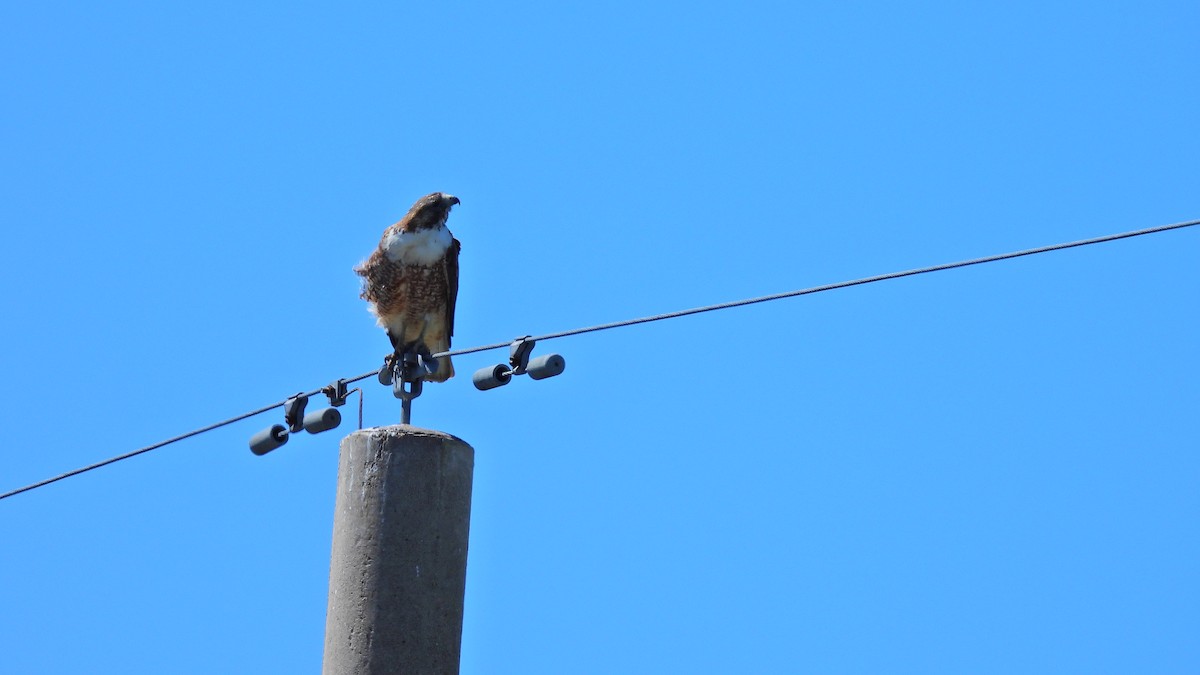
(428, 365)
(420, 339)
(392, 363)
(409, 361)
(415, 356)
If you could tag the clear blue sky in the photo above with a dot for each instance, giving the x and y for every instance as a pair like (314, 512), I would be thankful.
(990, 470)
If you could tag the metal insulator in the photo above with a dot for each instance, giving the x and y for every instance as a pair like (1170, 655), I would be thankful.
(322, 420)
(268, 439)
(490, 378)
(546, 366)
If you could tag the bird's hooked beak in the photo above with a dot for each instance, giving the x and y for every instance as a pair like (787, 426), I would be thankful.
(451, 200)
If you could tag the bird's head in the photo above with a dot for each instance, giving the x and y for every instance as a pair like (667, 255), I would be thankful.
(430, 211)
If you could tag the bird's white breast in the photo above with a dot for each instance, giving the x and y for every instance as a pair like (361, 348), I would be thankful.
(423, 247)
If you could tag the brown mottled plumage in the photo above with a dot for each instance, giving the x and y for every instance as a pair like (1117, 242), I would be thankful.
(411, 281)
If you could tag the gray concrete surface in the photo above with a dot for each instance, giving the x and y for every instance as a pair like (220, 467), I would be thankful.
(398, 567)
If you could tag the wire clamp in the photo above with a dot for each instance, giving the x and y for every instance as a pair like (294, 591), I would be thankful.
(337, 393)
(293, 412)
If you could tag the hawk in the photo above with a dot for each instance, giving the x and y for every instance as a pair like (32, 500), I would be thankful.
(411, 281)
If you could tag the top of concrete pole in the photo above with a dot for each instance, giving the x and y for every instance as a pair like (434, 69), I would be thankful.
(405, 430)
(398, 561)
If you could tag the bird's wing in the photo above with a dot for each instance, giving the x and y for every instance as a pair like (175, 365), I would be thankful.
(451, 286)
(381, 277)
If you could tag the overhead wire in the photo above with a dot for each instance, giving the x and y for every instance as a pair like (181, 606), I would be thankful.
(140, 451)
(830, 287)
(632, 322)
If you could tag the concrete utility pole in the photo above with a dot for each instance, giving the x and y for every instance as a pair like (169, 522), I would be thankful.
(398, 570)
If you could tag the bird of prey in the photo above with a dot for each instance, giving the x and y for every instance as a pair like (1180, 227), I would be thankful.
(411, 282)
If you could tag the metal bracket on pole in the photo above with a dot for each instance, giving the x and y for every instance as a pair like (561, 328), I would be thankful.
(406, 375)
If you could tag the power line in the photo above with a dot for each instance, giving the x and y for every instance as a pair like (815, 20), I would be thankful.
(140, 451)
(842, 284)
(633, 322)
